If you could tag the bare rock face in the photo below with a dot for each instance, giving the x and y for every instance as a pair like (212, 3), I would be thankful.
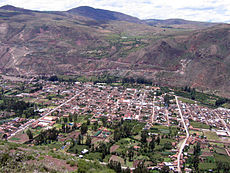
(75, 43)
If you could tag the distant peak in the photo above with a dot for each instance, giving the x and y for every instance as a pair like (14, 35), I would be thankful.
(7, 7)
(102, 15)
(85, 7)
(12, 8)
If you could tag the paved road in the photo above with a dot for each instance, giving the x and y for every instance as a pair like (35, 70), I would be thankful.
(53, 110)
(187, 136)
(227, 152)
(153, 114)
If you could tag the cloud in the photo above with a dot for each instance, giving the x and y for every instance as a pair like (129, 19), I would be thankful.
(197, 10)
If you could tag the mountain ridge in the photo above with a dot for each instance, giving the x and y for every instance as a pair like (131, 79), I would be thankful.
(47, 43)
(102, 15)
(107, 15)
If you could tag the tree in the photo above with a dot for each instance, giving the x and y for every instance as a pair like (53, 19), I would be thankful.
(197, 149)
(29, 134)
(210, 127)
(127, 130)
(158, 140)
(166, 99)
(116, 166)
(196, 159)
(79, 139)
(220, 101)
(75, 118)
(104, 121)
(65, 120)
(53, 78)
(88, 122)
(47, 136)
(141, 168)
(144, 136)
(196, 162)
(2, 91)
(165, 169)
(95, 126)
(88, 140)
(63, 126)
(193, 94)
(152, 143)
(70, 117)
(72, 144)
(168, 145)
(130, 154)
(117, 135)
(84, 128)
(4, 136)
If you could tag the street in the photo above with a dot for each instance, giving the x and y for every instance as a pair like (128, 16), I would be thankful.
(32, 121)
(184, 142)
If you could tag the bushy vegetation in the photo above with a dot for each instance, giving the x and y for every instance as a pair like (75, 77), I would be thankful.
(19, 107)
(208, 100)
(104, 78)
(47, 136)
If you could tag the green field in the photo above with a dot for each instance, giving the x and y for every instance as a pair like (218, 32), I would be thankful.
(211, 135)
(226, 105)
(207, 166)
(222, 158)
(186, 100)
(14, 139)
(199, 125)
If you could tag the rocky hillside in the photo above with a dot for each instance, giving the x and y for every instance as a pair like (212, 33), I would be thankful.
(73, 42)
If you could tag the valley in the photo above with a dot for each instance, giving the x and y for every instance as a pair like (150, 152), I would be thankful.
(117, 123)
(92, 90)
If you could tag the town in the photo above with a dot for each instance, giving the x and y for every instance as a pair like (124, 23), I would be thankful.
(131, 125)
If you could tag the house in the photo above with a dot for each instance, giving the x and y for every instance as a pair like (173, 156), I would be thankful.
(84, 151)
(50, 118)
(66, 115)
(136, 147)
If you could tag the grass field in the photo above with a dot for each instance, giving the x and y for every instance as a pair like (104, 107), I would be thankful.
(186, 100)
(221, 158)
(221, 151)
(199, 125)
(218, 144)
(211, 135)
(226, 105)
(14, 139)
(207, 166)
(167, 160)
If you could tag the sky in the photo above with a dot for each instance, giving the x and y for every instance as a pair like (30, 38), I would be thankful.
(196, 10)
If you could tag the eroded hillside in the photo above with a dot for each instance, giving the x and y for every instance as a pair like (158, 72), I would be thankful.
(65, 43)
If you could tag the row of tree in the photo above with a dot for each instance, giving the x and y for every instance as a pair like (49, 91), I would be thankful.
(46, 136)
(19, 107)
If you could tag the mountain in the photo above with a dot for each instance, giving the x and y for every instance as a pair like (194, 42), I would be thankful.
(175, 23)
(12, 8)
(103, 15)
(67, 43)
